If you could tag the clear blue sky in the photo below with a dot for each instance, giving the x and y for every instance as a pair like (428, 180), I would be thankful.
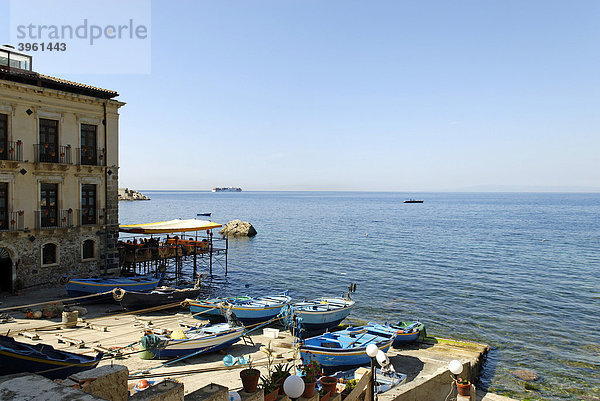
(377, 95)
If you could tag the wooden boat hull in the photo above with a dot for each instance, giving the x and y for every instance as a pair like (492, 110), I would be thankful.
(89, 286)
(17, 357)
(134, 300)
(320, 349)
(322, 314)
(172, 348)
(251, 313)
(406, 332)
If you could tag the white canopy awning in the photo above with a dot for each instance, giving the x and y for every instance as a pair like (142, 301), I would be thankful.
(171, 226)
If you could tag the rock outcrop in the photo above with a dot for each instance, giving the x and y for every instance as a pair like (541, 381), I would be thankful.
(238, 228)
(126, 194)
(525, 374)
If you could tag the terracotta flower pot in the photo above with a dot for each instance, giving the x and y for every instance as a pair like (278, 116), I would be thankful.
(329, 383)
(272, 396)
(250, 379)
(464, 389)
(309, 389)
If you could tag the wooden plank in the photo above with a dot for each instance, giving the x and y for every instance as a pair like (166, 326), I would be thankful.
(31, 336)
(363, 383)
(71, 341)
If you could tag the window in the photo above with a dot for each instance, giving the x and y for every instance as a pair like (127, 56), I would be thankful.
(4, 137)
(88, 145)
(49, 205)
(3, 205)
(88, 249)
(88, 204)
(49, 254)
(48, 147)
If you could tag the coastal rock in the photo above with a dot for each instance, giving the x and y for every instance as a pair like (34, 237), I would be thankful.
(238, 228)
(126, 194)
(525, 374)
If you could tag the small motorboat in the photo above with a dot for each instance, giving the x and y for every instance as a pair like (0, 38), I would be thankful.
(203, 214)
(406, 332)
(42, 359)
(322, 313)
(247, 309)
(78, 287)
(413, 201)
(196, 341)
(344, 348)
(134, 300)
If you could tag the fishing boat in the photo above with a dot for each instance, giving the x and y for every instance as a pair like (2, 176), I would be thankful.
(413, 201)
(18, 357)
(406, 332)
(203, 214)
(247, 309)
(78, 287)
(134, 300)
(322, 313)
(344, 348)
(196, 341)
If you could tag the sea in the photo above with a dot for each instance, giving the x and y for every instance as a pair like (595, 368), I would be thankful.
(517, 271)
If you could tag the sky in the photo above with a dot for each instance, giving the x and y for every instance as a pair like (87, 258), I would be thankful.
(363, 96)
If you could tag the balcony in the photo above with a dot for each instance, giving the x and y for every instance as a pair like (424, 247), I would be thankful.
(12, 152)
(49, 219)
(91, 216)
(52, 153)
(12, 221)
(90, 157)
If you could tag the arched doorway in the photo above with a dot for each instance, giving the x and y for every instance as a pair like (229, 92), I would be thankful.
(6, 271)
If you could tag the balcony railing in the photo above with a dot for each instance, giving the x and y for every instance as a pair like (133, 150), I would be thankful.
(12, 221)
(52, 153)
(53, 218)
(91, 216)
(12, 152)
(90, 157)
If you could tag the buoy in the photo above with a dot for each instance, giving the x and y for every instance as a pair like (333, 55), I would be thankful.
(37, 314)
(142, 384)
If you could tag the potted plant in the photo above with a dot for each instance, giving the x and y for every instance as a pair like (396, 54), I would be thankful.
(270, 388)
(349, 386)
(329, 383)
(280, 373)
(250, 378)
(463, 386)
(310, 372)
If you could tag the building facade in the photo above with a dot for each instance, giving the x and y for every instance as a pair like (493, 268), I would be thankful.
(58, 176)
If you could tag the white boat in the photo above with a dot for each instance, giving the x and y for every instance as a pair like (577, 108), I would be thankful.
(227, 189)
(196, 341)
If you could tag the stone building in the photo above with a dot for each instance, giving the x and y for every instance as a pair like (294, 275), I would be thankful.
(58, 176)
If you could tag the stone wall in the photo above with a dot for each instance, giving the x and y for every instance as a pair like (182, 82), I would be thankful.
(25, 250)
(112, 214)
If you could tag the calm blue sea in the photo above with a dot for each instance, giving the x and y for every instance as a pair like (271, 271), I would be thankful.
(519, 271)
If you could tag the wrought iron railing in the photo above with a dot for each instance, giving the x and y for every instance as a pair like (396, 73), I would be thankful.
(13, 151)
(91, 216)
(53, 218)
(52, 153)
(12, 221)
(87, 156)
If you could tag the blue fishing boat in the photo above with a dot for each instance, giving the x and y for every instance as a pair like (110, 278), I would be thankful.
(78, 287)
(196, 341)
(248, 310)
(406, 332)
(344, 348)
(321, 314)
(18, 357)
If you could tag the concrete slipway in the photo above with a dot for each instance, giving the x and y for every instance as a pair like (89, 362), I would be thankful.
(107, 326)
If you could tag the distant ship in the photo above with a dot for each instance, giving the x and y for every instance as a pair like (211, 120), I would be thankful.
(413, 201)
(227, 189)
